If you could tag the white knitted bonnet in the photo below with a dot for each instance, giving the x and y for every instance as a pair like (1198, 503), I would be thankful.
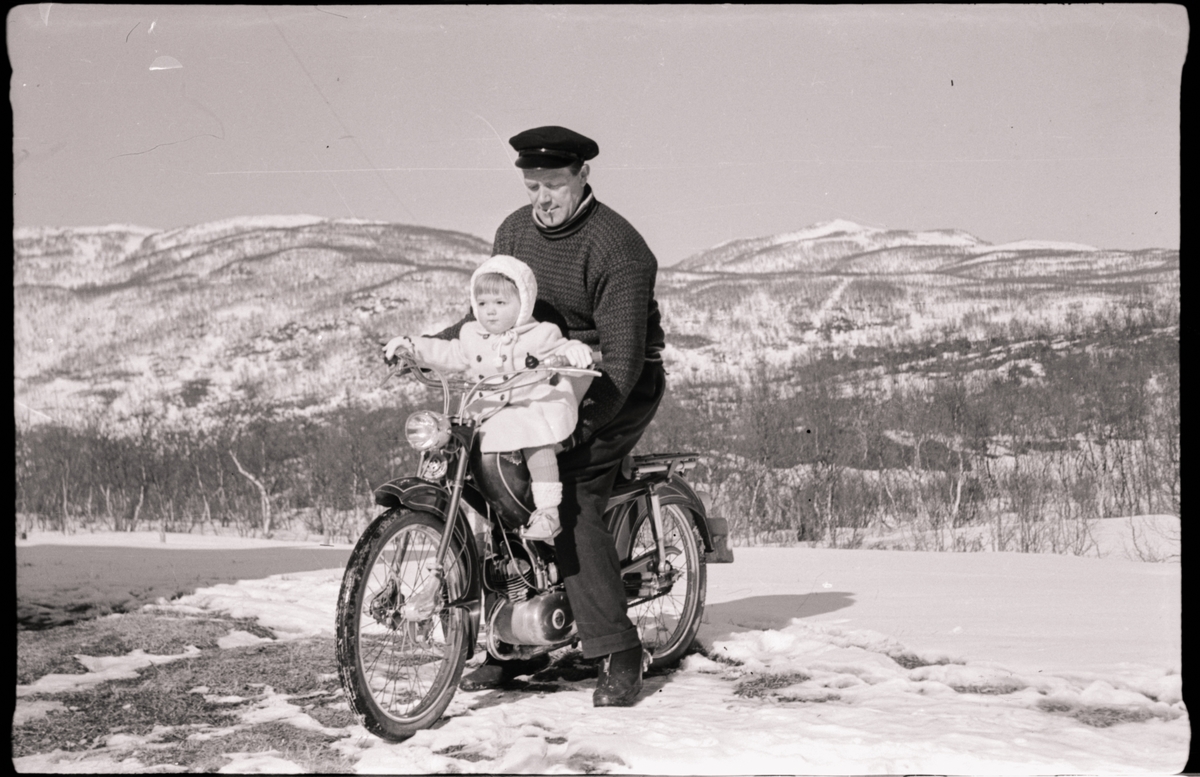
(519, 273)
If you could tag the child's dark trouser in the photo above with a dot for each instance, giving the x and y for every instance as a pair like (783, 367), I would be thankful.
(585, 551)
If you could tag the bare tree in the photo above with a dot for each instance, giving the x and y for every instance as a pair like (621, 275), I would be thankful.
(263, 493)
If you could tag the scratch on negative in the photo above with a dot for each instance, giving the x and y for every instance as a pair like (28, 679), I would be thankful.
(172, 143)
(131, 29)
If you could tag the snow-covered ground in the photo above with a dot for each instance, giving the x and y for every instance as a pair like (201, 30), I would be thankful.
(1002, 657)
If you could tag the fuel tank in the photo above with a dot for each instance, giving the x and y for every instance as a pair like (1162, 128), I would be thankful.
(503, 479)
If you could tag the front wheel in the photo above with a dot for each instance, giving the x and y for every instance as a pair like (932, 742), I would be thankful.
(400, 649)
(666, 611)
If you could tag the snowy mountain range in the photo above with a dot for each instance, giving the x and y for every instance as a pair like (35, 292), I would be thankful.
(292, 308)
(842, 246)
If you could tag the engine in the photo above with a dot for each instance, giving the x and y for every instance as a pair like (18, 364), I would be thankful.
(545, 619)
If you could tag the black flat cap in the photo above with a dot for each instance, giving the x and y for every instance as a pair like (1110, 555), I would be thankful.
(552, 147)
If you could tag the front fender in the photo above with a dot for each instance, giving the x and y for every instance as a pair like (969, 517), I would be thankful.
(429, 497)
(415, 494)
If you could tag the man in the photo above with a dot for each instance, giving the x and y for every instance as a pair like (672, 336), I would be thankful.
(595, 277)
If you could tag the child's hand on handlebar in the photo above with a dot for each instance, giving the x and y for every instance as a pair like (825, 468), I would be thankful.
(400, 343)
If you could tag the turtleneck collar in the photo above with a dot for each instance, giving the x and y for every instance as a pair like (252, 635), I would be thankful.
(571, 225)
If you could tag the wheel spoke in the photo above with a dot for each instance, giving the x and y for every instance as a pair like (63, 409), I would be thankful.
(406, 669)
(667, 621)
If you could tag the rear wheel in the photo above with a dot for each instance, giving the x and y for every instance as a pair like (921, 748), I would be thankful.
(668, 606)
(400, 649)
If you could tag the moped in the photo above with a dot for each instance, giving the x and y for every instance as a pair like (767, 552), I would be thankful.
(445, 570)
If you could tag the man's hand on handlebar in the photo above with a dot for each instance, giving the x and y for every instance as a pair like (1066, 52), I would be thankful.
(575, 355)
(578, 354)
(401, 343)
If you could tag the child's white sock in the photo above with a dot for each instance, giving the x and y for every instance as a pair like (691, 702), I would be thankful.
(547, 494)
(544, 524)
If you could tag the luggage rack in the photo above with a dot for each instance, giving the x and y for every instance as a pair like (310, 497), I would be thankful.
(669, 463)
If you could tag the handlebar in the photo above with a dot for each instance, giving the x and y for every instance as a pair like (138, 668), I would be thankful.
(471, 391)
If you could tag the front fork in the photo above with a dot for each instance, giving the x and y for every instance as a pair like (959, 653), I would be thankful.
(390, 606)
(425, 601)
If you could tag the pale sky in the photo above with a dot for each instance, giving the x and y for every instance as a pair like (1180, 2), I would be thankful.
(714, 122)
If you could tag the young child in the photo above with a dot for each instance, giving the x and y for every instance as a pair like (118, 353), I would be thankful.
(534, 418)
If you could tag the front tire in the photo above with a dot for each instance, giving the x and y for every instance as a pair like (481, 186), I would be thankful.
(668, 622)
(400, 667)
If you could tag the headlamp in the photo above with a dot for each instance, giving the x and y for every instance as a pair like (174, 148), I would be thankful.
(427, 430)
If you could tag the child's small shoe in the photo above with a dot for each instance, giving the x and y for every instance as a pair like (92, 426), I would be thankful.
(543, 525)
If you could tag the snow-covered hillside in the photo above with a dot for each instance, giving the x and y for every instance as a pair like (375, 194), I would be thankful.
(124, 319)
(127, 320)
(822, 247)
(838, 286)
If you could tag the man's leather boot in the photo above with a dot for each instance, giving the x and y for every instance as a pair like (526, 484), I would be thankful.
(492, 673)
(620, 679)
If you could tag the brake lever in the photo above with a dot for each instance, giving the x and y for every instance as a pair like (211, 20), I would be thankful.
(393, 372)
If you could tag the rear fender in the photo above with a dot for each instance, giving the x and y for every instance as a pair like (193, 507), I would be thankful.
(714, 531)
(676, 491)
(429, 497)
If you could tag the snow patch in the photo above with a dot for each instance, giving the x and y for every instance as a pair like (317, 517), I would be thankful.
(823, 229)
(267, 762)
(101, 669)
(293, 606)
(32, 710)
(239, 638)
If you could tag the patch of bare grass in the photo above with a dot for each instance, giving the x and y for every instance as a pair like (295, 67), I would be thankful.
(294, 668)
(811, 699)
(593, 763)
(462, 753)
(913, 661)
(994, 689)
(760, 685)
(127, 707)
(168, 695)
(53, 651)
(310, 750)
(1100, 716)
(336, 715)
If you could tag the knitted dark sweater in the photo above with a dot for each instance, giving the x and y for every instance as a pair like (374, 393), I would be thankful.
(597, 284)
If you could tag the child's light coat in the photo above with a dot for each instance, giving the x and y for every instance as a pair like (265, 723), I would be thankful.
(529, 417)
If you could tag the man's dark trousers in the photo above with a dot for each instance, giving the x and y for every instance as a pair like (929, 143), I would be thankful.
(585, 551)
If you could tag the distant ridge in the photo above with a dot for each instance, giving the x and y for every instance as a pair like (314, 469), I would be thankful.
(842, 245)
(74, 257)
